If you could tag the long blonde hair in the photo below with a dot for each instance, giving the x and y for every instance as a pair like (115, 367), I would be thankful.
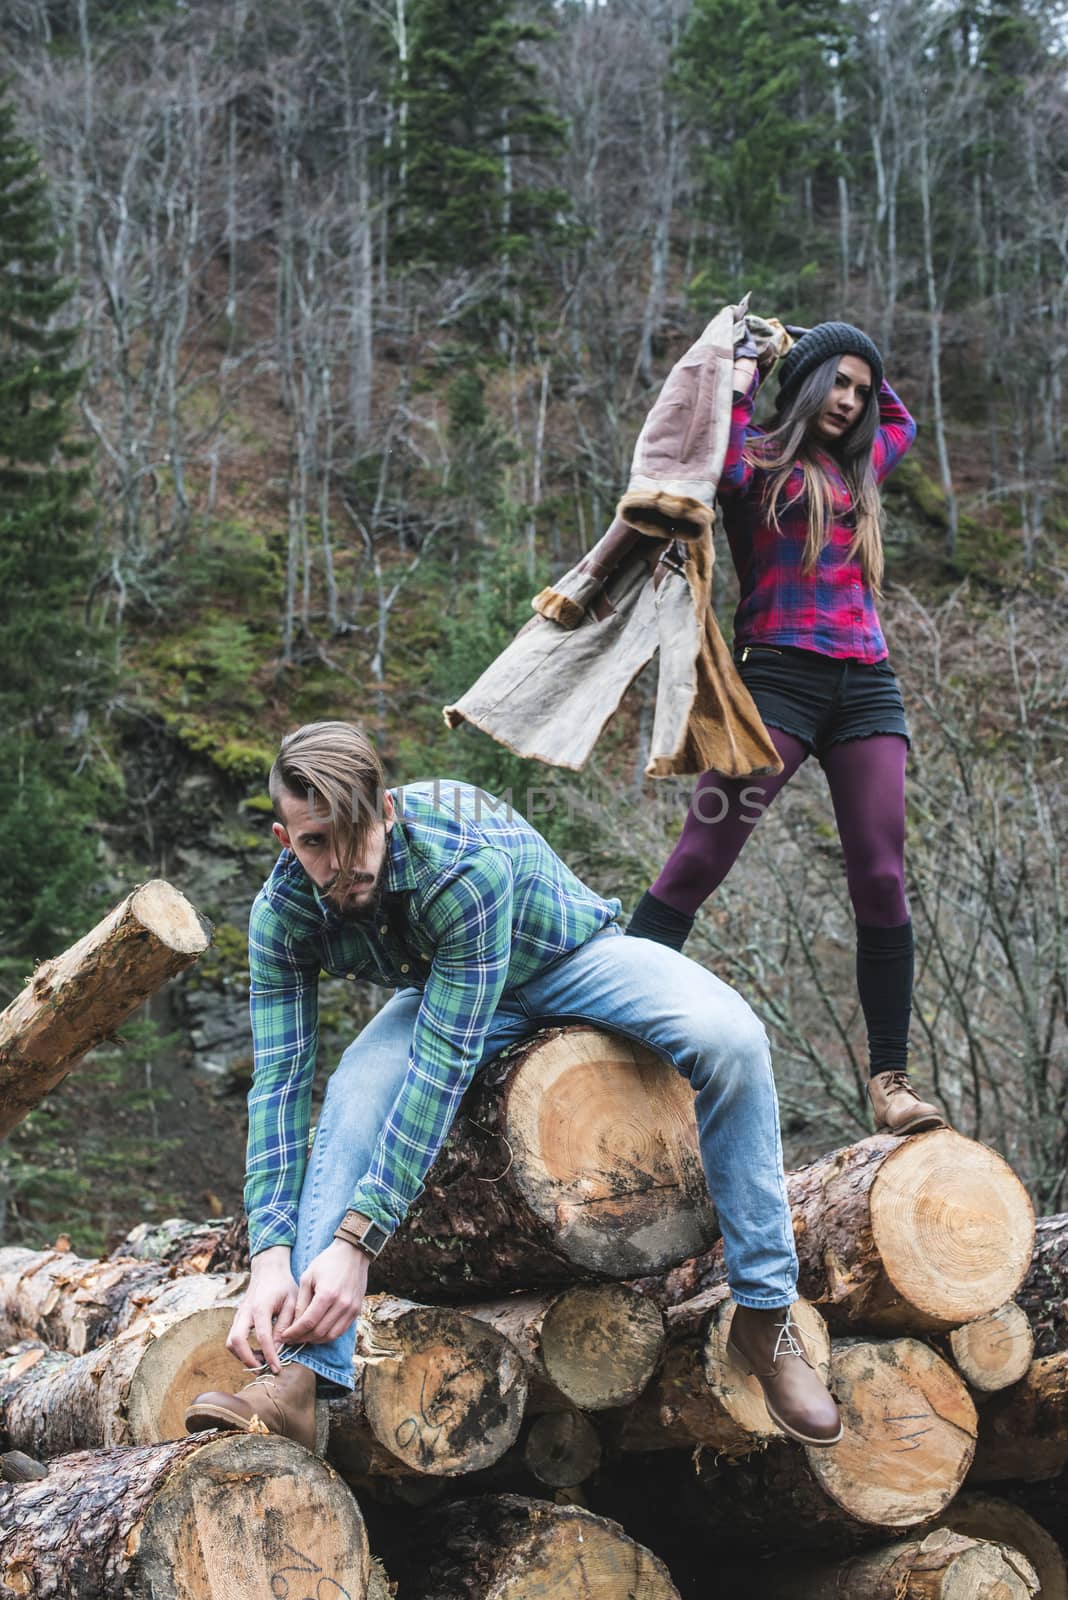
(789, 443)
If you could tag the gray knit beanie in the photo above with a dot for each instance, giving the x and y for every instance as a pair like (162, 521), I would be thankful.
(818, 345)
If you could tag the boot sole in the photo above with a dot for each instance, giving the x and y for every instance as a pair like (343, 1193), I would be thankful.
(917, 1125)
(199, 1419)
(790, 1432)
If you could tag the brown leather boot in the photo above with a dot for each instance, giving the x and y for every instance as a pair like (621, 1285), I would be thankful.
(284, 1403)
(770, 1346)
(897, 1106)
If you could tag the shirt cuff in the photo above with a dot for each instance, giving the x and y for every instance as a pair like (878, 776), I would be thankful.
(271, 1225)
(378, 1204)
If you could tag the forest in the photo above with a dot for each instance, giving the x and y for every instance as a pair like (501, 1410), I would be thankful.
(326, 330)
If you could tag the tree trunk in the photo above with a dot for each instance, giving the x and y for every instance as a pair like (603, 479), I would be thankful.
(132, 1390)
(192, 1519)
(505, 1547)
(701, 1396)
(75, 1305)
(439, 1392)
(982, 1516)
(941, 1566)
(1044, 1292)
(573, 1155)
(77, 1000)
(217, 1246)
(909, 1434)
(898, 1235)
(1023, 1431)
(592, 1345)
(995, 1351)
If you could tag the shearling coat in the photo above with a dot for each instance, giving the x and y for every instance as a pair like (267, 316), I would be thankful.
(645, 586)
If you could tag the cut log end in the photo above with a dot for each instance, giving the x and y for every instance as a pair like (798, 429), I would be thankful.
(953, 1226)
(188, 1357)
(198, 1518)
(251, 1515)
(984, 1516)
(910, 1429)
(507, 1547)
(995, 1351)
(445, 1393)
(605, 1147)
(164, 911)
(600, 1344)
(562, 1449)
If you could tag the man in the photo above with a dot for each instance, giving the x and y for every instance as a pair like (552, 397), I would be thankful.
(461, 906)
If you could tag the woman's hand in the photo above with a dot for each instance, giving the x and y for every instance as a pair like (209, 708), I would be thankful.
(269, 1299)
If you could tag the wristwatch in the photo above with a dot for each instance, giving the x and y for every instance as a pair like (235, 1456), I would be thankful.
(358, 1230)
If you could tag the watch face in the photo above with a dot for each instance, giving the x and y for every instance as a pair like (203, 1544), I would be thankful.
(374, 1238)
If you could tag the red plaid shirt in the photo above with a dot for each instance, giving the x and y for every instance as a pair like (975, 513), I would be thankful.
(830, 609)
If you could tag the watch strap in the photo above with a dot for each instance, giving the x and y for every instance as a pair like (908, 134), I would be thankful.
(358, 1230)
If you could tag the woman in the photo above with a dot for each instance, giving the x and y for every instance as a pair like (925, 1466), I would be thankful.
(800, 503)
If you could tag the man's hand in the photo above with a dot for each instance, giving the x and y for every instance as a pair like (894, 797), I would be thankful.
(331, 1294)
(270, 1298)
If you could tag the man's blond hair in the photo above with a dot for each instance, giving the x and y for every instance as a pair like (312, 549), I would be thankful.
(335, 768)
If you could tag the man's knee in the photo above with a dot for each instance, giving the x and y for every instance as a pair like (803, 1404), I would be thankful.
(731, 1044)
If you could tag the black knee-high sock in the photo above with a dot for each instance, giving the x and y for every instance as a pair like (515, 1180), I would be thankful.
(885, 960)
(653, 919)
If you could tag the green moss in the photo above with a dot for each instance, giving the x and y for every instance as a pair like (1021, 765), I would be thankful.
(909, 481)
(242, 760)
(259, 802)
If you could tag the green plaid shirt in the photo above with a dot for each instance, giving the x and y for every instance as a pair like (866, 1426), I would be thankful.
(474, 902)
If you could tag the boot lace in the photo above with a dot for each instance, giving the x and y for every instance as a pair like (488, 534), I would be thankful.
(790, 1341)
(898, 1080)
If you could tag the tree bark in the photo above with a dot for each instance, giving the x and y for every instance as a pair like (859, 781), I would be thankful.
(191, 1519)
(438, 1393)
(908, 1235)
(131, 1390)
(941, 1566)
(1023, 1431)
(1044, 1292)
(77, 1000)
(574, 1155)
(700, 1396)
(216, 1246)
(994, 1351)
(590, 1346)
(502, 1547)
(75, 1305)
(982, 1516)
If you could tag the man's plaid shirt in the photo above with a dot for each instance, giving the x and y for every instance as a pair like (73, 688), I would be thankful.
(474, 902)
(831, 609)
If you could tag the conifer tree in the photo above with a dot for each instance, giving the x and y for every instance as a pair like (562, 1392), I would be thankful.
(755, 76)
(50, 656)
(476, 127)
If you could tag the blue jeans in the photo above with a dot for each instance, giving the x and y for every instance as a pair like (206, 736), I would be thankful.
(634, 987)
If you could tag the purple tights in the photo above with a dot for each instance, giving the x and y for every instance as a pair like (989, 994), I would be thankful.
(867, 783)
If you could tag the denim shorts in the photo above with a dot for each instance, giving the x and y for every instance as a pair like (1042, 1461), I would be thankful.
(822, 700)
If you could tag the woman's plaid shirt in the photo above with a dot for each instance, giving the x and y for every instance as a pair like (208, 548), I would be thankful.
(474, 902)
(830, 609)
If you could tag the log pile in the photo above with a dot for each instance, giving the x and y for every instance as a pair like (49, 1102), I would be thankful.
(548, 1340)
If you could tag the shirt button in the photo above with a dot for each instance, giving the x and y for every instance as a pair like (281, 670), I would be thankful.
(425, 954)
(384, 929)
(404, 966)
(350, 975)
